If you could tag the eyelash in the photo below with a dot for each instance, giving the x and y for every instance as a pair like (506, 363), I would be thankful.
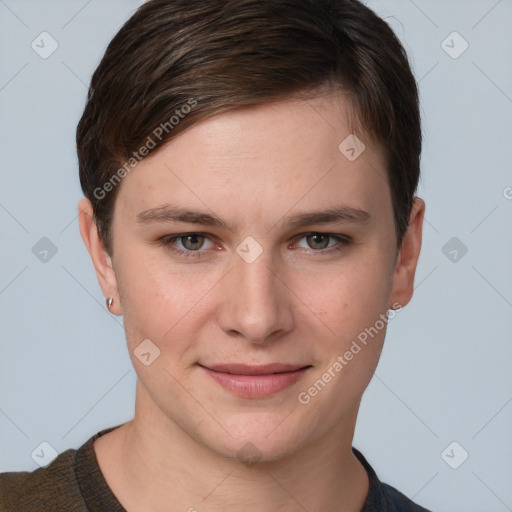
(169, 243)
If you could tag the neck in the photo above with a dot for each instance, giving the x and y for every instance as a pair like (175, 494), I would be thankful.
(150, 463)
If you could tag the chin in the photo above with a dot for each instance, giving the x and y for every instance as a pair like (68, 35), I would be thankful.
(257, 437)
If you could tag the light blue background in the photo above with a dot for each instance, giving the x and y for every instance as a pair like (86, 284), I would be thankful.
(445, 371)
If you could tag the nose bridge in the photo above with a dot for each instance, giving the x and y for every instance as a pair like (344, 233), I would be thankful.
(257, 305)
(257, 281)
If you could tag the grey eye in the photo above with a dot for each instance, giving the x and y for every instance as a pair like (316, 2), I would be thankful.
(318, 241)
(192, 242)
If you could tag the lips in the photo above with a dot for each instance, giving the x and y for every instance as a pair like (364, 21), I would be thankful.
(255, 381)
(267, 369)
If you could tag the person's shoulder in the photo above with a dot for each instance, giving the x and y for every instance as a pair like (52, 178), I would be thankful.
(383, 497)
(53, 487)
(398, 502)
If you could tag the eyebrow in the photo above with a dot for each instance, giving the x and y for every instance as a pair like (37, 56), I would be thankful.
(167, 213)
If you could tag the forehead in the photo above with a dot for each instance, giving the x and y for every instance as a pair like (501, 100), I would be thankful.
(264, 160)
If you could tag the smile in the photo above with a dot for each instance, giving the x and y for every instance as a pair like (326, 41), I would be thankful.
(255, 381)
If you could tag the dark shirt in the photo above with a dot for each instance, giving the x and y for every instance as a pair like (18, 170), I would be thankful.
(73, 482)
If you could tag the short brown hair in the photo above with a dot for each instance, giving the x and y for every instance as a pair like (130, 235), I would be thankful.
(213, 56)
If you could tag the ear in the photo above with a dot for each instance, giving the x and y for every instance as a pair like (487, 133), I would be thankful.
(101, 260)
(407, 259)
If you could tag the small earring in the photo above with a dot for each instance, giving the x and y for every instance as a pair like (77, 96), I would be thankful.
(110, 302)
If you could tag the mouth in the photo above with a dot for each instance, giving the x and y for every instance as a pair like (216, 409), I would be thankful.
(250, 381)
(267, 369)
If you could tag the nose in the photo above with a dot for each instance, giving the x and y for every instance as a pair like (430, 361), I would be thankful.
(256, 303)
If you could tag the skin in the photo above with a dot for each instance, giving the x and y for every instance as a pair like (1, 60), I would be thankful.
(296, 303)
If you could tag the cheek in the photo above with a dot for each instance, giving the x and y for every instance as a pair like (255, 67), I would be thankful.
(352, 307)
(348, 297)
(159, 301)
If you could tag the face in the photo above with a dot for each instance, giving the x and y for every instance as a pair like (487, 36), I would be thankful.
(254, 255)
